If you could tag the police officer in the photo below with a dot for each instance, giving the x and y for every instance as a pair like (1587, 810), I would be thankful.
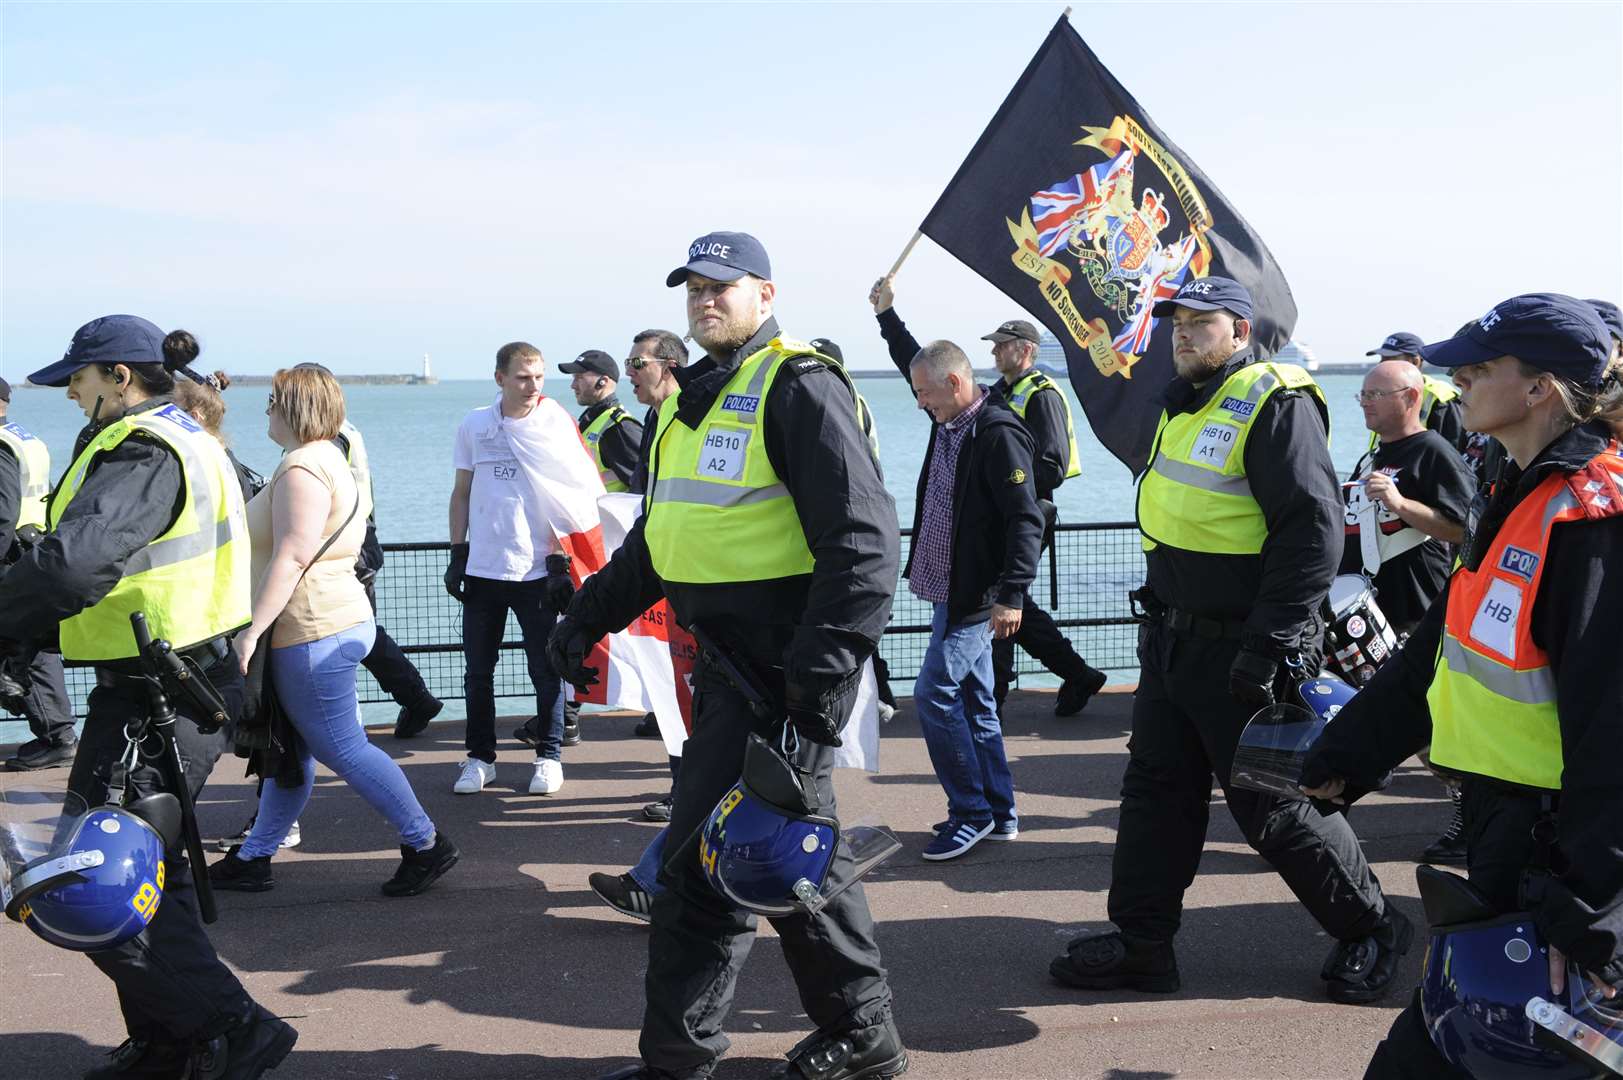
(149, 517)
(32, 685)
(1512, 675)
(611, 434)
(1042, 407)
(1240, 513)
(1439, 400)
(767, 524)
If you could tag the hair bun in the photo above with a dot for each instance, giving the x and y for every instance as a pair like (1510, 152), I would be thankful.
(180, 348)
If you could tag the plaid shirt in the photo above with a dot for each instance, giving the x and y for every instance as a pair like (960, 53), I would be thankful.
(932, 547)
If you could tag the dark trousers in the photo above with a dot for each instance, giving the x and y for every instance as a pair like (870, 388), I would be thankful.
(1041, 637)
(46, 705)
(485, 605)
(387, 664)
(1185, 727)
(700, 940)
(171, 984)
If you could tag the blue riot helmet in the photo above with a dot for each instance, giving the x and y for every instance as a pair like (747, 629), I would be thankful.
(101, 879)
(1276, 740)
(768, 849)
(1486, 999)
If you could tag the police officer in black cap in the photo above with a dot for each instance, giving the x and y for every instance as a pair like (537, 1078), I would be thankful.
(1241, 518)
(766, 525)
(149, 517)
(31, 685)
(613, 437)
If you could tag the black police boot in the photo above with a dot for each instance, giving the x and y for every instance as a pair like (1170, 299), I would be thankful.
(138, 1058)
(1117, 961)
(1074, 694)
(413, 719)
(420, 869)
(571, 730)
(251, 1047)
(647, 727)
(1361, 970)
(39, 754)
(874, 1052)
(1449, 848)
(236, 874)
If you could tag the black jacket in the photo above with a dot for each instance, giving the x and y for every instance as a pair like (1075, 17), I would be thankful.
(1277, 594)
(620, 445)
(1045, 415)
(11, 498)
(817, 626)
(1578, 621)
(130, 496)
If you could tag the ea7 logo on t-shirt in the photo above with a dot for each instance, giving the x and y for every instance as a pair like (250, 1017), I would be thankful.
(1238, 406)
(504, 472)
(1521, 563)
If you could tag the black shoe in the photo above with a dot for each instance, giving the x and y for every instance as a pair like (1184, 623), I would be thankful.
(571, 731)
(1116, 961)
(1360, 971)
(647, 727)
(39, 754)
(246, 1051)
(236, 874)
(143, 1059)
(1449, 848)
(420, 869)
(525, 734)
(413, 719)
(622, 893)
(874, 1052)
(659, 811)
(1074, 694)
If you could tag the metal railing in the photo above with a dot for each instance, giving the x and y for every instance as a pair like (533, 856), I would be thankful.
(1083, 581)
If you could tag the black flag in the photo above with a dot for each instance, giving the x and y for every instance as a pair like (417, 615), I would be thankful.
(1076, 205)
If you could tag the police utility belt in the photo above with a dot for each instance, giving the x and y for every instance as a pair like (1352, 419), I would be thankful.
(1148, 610)
(127, 673)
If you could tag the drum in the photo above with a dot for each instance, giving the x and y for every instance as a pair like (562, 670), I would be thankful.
(1359, 639)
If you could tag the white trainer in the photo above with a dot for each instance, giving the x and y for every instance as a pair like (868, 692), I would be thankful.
(474, 776)
(549, 776)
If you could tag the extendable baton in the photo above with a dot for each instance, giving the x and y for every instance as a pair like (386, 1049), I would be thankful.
(741, 680)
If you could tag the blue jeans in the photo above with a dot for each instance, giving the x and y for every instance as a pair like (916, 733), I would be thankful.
(316, 684)
(958, 716)
(646, 872)
(485, 605)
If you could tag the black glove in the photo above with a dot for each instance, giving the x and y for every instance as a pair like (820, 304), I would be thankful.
(560, 587)
(13, 694)
(818, 708)
(1251, 678)
(567, 649)
(457, 571)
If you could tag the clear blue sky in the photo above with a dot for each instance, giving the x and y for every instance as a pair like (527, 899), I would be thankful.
(361, 184)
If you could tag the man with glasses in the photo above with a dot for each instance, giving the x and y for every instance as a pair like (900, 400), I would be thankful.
(656, 368)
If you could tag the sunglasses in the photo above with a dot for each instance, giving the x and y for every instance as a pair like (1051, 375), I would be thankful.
(637, 363)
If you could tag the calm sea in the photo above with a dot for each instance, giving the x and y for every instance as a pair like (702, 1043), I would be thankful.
(409, 430)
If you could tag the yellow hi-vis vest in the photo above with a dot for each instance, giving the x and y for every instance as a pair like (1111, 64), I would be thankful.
(34, 464)
(593, 435)
(716, 511)
(1195, 494)
(1492, 698)
(360, 466)
(193, 581)
(1029, 386)
(1433, 392)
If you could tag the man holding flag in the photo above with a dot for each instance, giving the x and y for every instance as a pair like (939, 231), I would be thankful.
(768, 526)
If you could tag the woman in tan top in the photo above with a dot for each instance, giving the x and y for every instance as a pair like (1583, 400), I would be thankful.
(306, 530)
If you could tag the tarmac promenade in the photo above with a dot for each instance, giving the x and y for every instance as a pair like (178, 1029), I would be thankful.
(510, 967)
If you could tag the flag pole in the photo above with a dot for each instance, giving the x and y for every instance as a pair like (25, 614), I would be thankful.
(906, 251)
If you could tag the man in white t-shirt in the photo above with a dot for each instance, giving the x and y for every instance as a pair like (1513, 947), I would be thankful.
(504, 558)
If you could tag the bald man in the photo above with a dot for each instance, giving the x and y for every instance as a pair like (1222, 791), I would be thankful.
(1417, 489)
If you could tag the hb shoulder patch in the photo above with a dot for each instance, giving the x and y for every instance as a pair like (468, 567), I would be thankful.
(1017, 477)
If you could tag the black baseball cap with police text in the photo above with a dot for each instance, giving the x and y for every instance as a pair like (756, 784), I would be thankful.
(1013, 330)
(1401, 343)
(1208, 294)
(595, 361)
(723, 256)
(1550, 331)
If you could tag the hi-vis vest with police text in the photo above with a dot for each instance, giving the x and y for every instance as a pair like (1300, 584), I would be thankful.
(1195, 494)
(593, 435)
(716, 511)
(192, 582)
(1019, 398)
(1492, 700)
(1434, 392)
(360, 466)
(34, 464)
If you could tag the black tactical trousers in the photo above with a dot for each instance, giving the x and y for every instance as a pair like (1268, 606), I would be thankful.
(1185, 727)
(46, 706)
(170, 982)
(396, 674)
(700, 940)
(1042, 638)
